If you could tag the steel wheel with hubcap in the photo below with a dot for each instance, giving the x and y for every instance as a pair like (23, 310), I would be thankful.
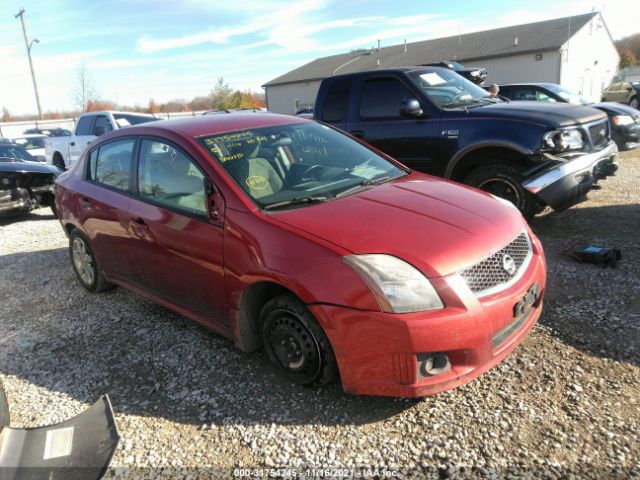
(295, 342)
(84, 264)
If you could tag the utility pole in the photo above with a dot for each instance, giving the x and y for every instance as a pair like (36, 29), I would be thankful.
(29, 45)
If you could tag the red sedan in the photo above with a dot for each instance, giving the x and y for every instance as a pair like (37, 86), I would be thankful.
(286, 234)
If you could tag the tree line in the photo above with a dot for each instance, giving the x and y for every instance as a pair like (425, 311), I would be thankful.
(86, 99)
(629, 50)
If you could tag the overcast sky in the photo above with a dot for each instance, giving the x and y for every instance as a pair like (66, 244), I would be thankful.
(165, 49)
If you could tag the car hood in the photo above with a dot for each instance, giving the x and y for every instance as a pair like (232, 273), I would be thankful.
(551, 114)
(617, 108)
(26, 166)
(438, 226)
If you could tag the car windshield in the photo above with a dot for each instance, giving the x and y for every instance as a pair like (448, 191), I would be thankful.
(448, 89)
(297, 164)
(17, 152)
(569, 95)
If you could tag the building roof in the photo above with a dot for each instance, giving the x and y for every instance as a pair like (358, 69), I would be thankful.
(519, 39)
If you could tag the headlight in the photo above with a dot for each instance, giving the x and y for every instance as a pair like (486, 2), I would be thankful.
(563, 140)
(622, 120)
(398, 286)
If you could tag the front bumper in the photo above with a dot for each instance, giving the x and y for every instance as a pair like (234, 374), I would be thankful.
(567, 183)
(380, 353)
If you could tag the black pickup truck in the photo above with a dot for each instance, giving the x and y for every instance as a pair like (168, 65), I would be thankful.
(435, 121)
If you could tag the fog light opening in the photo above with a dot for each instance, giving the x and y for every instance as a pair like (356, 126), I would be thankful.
(431, 364)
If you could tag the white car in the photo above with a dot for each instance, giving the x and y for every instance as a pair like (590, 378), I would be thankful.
(33, 143)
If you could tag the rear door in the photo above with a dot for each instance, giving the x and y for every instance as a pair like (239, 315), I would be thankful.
(103, 202)
(178, 242)
(413, 141)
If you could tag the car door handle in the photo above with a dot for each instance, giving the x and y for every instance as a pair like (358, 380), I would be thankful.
(357, 133)
(139, 221)
(88, 142)
(85, 201)
(72, 144)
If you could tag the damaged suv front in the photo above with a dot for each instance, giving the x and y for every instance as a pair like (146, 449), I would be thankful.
(570, 161)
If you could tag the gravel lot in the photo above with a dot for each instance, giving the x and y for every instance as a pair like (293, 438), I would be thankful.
(188, 405)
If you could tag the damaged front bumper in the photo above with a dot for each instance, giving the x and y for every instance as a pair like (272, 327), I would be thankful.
(77, 449)
(567, 182)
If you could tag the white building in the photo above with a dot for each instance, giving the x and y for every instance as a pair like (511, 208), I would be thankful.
(577, 52)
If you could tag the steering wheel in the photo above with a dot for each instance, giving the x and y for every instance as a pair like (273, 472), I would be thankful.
(312, 172)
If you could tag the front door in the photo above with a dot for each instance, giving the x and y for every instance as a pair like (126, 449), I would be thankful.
(178, 247)
(413, 141)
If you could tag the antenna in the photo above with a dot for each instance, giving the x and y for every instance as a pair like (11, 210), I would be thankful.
(515, 42)
(378, 44)
(405, 45)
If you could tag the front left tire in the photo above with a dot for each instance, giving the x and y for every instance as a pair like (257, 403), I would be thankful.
(296, 343)
(84, 264)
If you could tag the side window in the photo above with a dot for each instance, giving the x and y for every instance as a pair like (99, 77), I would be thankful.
(84, 125)
(543, 97)
(381, 98)
(167, 176)
(335, 104)
(101, 126)
(109, 165)
(523, 94)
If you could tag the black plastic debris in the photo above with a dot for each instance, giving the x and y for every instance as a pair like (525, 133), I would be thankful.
(80, 448)
(604, 256)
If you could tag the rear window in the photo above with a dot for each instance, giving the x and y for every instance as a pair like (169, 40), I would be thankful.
(126, 119)
(335, 105)
(109, 165)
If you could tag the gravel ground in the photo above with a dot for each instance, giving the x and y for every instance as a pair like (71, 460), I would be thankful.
(565, 404)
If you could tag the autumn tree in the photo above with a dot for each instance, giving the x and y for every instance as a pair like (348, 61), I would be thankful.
(84, 91)
(153, 106)
(6, 116)
(627, 59)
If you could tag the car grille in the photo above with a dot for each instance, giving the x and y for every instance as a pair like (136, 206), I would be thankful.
(490, 275)
(599, 133)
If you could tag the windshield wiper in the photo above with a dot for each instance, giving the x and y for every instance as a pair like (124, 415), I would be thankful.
(295, 201)
(365, 183)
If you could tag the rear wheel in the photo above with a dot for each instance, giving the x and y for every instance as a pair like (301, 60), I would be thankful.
(295, 342)
(85, 265)
(504, 180)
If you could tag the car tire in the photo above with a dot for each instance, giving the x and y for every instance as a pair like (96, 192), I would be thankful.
(84, 264)
(54, 209)
(634, 103)
(58, 161)
(504, 180)
(296, 343)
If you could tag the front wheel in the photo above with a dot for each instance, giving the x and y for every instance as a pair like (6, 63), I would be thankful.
(504, 180)
(634, 103)
(295, 342)
(85, 265)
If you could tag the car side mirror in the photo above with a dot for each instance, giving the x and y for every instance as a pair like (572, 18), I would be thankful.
(99, 130)
(410, 108)
(215, 203)
(629, 89)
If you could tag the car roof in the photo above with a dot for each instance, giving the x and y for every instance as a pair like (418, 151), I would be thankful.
(32, 135)
(201, 125)
(532, 84)
(407, 69)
